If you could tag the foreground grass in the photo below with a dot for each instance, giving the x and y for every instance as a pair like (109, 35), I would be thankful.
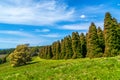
(77, 69)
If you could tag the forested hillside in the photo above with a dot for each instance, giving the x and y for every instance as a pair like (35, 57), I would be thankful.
(96, 42)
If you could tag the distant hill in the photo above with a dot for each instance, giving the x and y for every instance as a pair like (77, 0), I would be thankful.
(2, 55)
(6, 51)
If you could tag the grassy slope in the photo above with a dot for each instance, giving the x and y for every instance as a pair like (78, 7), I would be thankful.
(78, 69)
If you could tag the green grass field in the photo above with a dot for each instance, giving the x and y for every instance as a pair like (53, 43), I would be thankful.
(77, 69)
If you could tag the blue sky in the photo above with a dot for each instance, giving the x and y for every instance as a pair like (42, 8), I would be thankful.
(41, 22)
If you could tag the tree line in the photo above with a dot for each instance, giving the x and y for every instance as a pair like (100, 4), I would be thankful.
(6, 51)
(95, 43)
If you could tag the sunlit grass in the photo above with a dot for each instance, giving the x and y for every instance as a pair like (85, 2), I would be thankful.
(73, 69)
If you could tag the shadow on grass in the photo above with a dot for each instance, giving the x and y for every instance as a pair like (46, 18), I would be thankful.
(32, 62)
(29, 63)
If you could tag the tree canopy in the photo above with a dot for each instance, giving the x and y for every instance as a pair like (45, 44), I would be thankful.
(20, 56)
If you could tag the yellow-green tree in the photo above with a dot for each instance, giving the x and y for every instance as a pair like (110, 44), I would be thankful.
(76, 46)
(68, 47)
(93, 47)
(63, 49)
(112, 36)
(20, 56)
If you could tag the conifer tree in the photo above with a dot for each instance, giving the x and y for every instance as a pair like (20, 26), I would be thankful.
(107, 26)
(49, 52)
(101, 39)
(86, 42)
(83, 44)
(58, 50)
(118, 34)
(76, 46)
(63, 49)
(93, 47)
(68, 46)
(54, 50)
(111, 34)
(41, 53)
(45, 52)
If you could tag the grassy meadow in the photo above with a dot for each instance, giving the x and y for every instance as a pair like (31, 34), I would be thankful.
(72, 69)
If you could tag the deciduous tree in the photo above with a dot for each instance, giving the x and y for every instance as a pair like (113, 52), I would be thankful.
(20, 56)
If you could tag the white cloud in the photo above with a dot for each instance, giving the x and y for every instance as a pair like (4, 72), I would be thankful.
(17, 33)
(29, 12)
(43, 30)
(82, 16)
(50, 35)
(75, 26)
(82, 26)
(94, 9)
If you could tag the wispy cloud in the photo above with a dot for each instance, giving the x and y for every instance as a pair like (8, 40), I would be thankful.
(82, 26)
(33, 12)
(75, 26)
(17, 33)
(50, 35)
(94, 9)
(42, 30)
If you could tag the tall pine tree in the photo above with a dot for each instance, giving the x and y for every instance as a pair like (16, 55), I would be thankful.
(112, 35)
(49, 52)
(76, 46)
(58, 50)
(63, 49)
(101, 39)
(68, 46)
(93, 47)
(54, 50)
(83, 44)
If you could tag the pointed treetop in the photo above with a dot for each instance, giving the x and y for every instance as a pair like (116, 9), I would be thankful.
(99, 28)
(92, 27)
(107, 15)
(82, 34)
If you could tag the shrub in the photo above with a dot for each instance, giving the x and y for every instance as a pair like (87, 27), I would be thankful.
(20, 56)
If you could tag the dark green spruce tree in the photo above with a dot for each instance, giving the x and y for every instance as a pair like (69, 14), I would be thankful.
(93, 47)
(58, 50)
(63, 49)
(42, 53)
(49, 52)
(68, 47)
(83, 44)
(118, 37)
(54, 50)
(112, 36)
(76, 46)
(101, 39)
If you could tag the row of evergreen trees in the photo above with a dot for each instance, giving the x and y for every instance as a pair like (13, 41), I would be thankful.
(96, 43)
